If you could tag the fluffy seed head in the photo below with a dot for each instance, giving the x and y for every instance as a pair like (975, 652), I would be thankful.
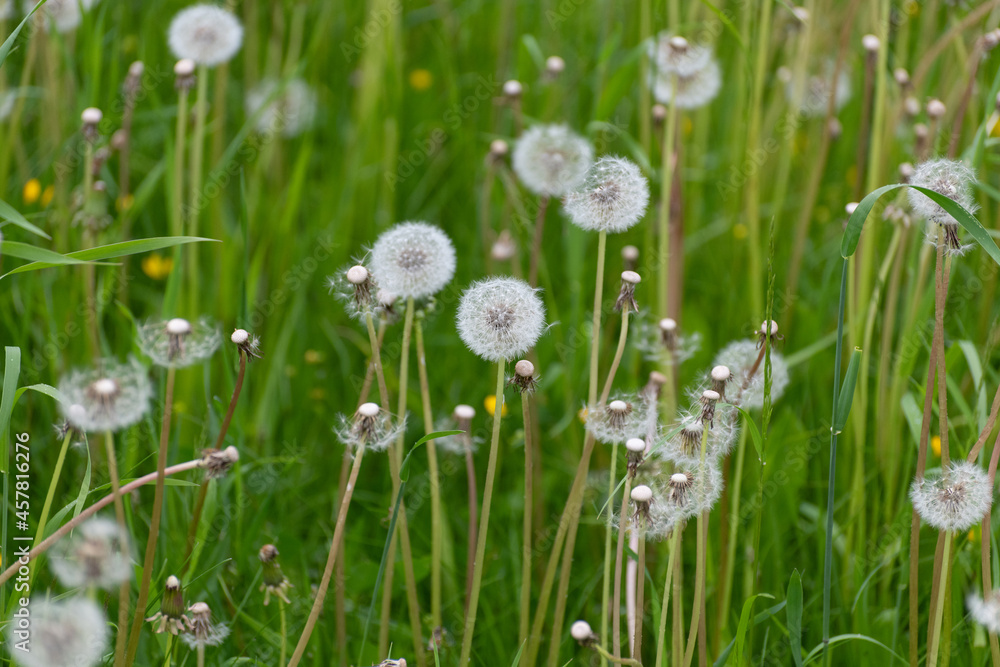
(203, 632)
(985, 611)
(674, 55)
(413, 259)
(177, 342)
(813, 101)
(63, 15)
(207, 34)
(69, 633)
(370, 426)
(97, 554)
(288, 108)
(581, 631)
(109, 397)
(954, 499)
(747, 390)
(500, 318)
(620, 420)
(691, 91)
(612, 199)
(551, 160)
(951, 178)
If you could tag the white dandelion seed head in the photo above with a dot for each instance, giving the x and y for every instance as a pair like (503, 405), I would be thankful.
(356, 288)
(953, 499)
(111, 396)
(178, 343)
(951, 178)
(63, 15)
(97, 554)
(288, 109)
(814, 100)
(672, 54)
(456, 444)
(500, 318)
(413, 259)
(748, 391)
(620, 420)
(691, 91)
(551, 160)
(687, 493)
(985, 611)
(612, 199)
(207, 34)
(656, 337)
(68, 633)
(371, 426)
(581, 631)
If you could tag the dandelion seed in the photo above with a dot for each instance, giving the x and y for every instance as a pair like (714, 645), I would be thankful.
(500, 318)
(247, 344)
(97, 554)
(985, 611)
(953, 500)
(692, 91)
(203, 632)
(275, 582)
(206, 34)
(371, 427)
(171, 617)
(70, 633)
(109, 397)
(177, 342)
(748, 376)
(950, 178)
(413, 260)
(551, 160)
(672, 54)
(288, 109)
(612, 199)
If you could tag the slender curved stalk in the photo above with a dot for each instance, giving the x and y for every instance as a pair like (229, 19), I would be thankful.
(154, 523)
(116, 493)
(201, 655)
(324, 584)
(177, 190)
(528, 504)
(608, 541)
(934, 640)
(603, 652)
(666, 190)
(536, 246)
(700, 564)
(197, 159)
(435, 480)
(616, 604)
(985, 542)
(640, 591)
(484, 523)
(661, 637)
(470, 475)
(53, 483)
(734, 527)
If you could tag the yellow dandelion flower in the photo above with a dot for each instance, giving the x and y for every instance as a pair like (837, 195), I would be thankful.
(313, 357)
(687, 126)
(739, 231)
(974, 534)
(582, 415)
(421, 79)
(936, 445)
(47, 194)
(157, 267)
(32, 191)
(124, 203)
(491, 405)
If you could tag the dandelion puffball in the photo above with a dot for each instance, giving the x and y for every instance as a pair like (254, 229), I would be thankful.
(63, 15)
(70, 633)
(413, 260)
(612, 199)
(109, 397)
(97, 554)
(288, 109)
(748, 390)
(551, 160)
(985, 611)
(691, 91)
(500, 318)
(951, 178)
(672, 54)
(954, 499)
(177, 342)
(207, 34)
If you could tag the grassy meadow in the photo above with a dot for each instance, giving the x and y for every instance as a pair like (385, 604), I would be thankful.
(824, 498)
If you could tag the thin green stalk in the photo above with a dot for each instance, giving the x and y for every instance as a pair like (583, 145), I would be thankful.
(324, 584)
(645, 108)
(640, 590)
(197, 158)
(661, 636)
(375, 341)
(608, 534)
(201, 655)
(525, 619)
(734, 527)
(123, 597)
(177, 190)
(53, 483)
(616, 604)
(484, 523)
(284, 632)
(169, 652)
(666, 190)
(934, 642)
(700, 562)
(432, 470)
(603, 652)
(154, 524)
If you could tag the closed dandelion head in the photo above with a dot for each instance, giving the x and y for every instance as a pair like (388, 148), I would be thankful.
(59, 15)
(747, 388)
(551, 160)
(247, 343)
(720, 377)
(274, 581)
(176, 343)
(612, 199)
(413, 260)
(203, 632)
(688, 91)
(218, 462)
(524, 378)
(67, 633)
(460, 444)
(97, 554)
(954, 499)
(355, 286)
(985, 610)
(500, 318)
(709, 398)
(288, 108)
(370, 427)
(583, 633)
(951, 178)
(619, 420)
(626, 295)
(206, 34)
(109, 397)
(672, 54)
(171, 617)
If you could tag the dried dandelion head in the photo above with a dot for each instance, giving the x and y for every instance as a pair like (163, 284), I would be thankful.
(985, 610)
(618, 420)
(690, 91)
(69, 633)
(274, 581)
(370, 427)
(203, 632)
(747, 388)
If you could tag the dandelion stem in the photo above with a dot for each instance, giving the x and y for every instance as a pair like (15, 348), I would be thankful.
(197, 158)
(168, 652)
(484, 523)
(603, 652)
(616, 603)
(116, 494)
(432, 470)
(640, 590)
(470, 474)
(154, 523)
(666, 189)
(375, 341)
(661, 637)
(932, 645)
(201, 655)
(284, 632)
(177, 196)
(536, 246)
(324, 584)
(526, 539)
(699, 571)
(734, 526)
(608, 534)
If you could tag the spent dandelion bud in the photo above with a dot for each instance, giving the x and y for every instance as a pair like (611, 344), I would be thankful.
(171, 617)
(582, 633)
(954, 499)
(985, 610)
(835, 128)
(246, 343)
(935, 108)
(109, 397)
(203, 632)
(902, 77)
(90, 119)
(642, 498)
(630, 257)
(612, 199)
(184, 73)
(370, 426)
(512, 89)
(207, 34)
(636, 448)
(66, 633)
(355, 287)
(500, 318)
(659, 113)
(906, 172)
(676, 56)
(498, 149)
(911, 106)
(275, 582)
(709, 398)
(814, 99)
(97, 554)
(626, 296)
(871, 43)
(413, 260)
(554, 65)
(504, 248)
(524, 378)
(951, 178)
(668, 332)
(551, 160)
(176, 343)
(461, 419)
(655, 384)
(721, 376)
(743, 357)
(288, 108)
(218, 462)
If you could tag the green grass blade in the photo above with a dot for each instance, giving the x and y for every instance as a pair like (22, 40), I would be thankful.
(112, 251)
(11, 371)
(741, 630)
(9, 42)
(839, 639)
(793, 613)
(36, 254)
(845, 397)
(11, 215)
